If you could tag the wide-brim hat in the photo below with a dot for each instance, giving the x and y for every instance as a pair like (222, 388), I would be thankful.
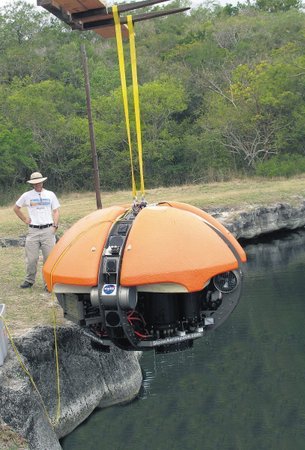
(36, 178)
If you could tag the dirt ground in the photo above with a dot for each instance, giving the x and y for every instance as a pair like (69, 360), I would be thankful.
(25, 308)
(10, 440)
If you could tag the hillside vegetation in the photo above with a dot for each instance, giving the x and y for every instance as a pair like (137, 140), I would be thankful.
(222, 94)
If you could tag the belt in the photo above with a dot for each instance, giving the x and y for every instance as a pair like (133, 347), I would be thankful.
(41, 226)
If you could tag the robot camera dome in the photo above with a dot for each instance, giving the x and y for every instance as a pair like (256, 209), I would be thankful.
(155, 278)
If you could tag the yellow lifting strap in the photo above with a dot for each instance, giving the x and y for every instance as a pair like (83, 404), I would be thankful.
(133, 58)
(135, 92)
(119, 42)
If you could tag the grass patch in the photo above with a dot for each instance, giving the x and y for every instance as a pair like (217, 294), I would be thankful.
(235, 193)
(30, 307)
(25, 308)
(10, 440)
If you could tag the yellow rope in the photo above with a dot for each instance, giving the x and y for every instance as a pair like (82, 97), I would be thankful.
(25, 369)
(54, 308)
(56, 360)
(54, 316)
(133, 58)
(119, 41)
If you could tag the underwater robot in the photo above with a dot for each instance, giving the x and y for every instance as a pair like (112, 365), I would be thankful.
(147, 277)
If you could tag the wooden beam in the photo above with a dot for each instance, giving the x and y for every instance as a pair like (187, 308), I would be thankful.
(123, 20)
(96, 173)
(95, 15)
(121, 8)
(56, 11)
(64, 9)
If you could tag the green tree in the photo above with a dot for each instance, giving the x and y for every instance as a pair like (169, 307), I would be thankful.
(18, 153)
(278, 5)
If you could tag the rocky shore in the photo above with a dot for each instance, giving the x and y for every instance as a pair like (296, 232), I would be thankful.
(255, 221)
(247, 223)
(91, 378)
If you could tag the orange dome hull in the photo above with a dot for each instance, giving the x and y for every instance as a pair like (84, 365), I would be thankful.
(147, 277)
(168, 243)
(76, 257)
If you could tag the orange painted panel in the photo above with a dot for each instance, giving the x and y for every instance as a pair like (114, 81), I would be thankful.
(212, 221)
(76, 257)
(170, 245)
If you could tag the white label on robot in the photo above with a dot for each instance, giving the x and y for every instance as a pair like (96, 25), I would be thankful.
(109, 289)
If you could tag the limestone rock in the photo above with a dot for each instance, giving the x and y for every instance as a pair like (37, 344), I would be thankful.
(255, 221)
(89, 378)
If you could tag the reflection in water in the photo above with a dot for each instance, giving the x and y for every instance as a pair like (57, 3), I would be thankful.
(241, 388)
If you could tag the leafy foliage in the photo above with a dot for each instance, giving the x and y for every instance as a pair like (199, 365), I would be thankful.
(222, 91)
(284, 165)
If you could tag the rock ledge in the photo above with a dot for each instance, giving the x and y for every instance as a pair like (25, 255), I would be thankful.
(255, 221)
(89, 378)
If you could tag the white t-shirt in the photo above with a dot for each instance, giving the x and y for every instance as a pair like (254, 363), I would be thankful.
(40, 205)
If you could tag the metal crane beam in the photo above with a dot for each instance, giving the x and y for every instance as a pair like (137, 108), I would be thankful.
(94, 15)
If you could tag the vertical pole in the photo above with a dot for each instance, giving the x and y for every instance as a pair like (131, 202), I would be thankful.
(96, 174)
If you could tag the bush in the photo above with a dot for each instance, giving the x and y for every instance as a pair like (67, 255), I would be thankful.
(285, 165)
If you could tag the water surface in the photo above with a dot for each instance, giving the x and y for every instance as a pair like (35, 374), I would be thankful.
(241, 388)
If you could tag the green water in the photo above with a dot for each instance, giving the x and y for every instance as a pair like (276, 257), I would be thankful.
(242, 388)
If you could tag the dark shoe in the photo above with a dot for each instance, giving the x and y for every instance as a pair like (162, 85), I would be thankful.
(26, 284)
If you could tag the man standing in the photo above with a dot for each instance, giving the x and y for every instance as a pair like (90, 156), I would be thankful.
(43, 209)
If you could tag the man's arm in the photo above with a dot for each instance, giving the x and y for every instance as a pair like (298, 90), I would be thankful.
(18, 212)
(55, 217)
